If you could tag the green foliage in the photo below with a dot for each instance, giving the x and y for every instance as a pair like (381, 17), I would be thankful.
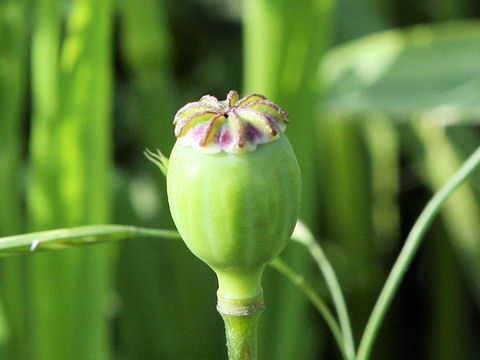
(107, 73)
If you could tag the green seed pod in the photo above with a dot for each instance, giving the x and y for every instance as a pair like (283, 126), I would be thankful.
(233, 187)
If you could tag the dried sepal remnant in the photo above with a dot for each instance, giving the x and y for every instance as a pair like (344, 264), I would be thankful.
(158, 159)
(233, 125)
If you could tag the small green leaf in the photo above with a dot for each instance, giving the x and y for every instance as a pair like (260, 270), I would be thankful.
(425, 71)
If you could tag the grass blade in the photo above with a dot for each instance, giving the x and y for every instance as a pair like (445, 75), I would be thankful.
(72, 237)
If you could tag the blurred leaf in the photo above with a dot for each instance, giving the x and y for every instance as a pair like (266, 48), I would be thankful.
(429, 70)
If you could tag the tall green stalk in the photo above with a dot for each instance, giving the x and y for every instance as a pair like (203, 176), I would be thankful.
(13, 57)
(70, 155)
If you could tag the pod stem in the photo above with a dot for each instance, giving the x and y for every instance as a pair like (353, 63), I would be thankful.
(241, 319)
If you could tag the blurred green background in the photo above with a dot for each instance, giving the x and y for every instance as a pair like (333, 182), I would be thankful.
(384, 101)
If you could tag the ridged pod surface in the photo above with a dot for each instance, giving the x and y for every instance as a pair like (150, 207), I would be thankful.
(233, 186)
(235, 211)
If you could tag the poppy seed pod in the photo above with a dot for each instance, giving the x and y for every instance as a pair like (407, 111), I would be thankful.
(233, 187)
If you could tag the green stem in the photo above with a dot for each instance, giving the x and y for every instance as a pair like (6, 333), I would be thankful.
(241, 333)
(300, 282)
(241, 318)
(305, 237)
(409, 250)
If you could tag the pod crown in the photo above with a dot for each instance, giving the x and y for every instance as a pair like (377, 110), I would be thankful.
(233, 125)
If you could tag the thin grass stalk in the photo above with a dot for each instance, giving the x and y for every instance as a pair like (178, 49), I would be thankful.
(70, 155)
(302, 284)
(61, 239)
(13, 57)
(408, 252)
(283, 42)
(306, 238)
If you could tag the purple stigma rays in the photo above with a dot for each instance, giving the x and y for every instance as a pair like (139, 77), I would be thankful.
(234, 125)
